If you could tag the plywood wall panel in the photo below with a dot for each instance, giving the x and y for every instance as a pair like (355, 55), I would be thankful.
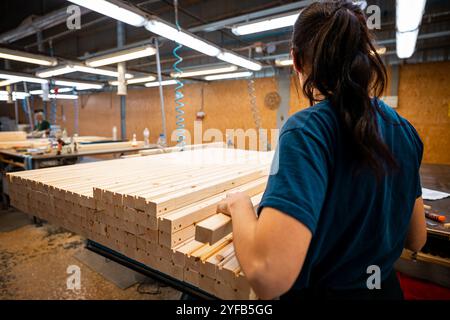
(424, 97)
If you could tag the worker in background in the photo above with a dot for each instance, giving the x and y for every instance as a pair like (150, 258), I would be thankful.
(41, 125)
(344, 197)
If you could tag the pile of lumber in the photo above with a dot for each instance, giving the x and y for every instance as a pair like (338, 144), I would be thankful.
(12, 136)
(110, 146)
(18, 139)
(158, 210)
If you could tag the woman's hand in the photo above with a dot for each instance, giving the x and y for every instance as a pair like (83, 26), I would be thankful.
(233, 201)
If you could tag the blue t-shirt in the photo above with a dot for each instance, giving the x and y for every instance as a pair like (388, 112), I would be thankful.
(355, 221)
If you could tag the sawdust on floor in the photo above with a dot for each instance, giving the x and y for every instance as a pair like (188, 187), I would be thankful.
(34, 262)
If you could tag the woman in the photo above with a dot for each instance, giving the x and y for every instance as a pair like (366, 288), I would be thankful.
(346, 197)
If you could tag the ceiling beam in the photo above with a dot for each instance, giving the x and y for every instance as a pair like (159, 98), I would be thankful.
(41, 23)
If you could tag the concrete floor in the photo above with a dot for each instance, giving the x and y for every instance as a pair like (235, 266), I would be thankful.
(34, 262)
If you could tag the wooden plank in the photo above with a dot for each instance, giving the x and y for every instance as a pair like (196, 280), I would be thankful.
(170, 240)
(209, 266)
(202, 209)
(13, 135)
(213, 228)
(203, 253)
(185, 197)
(183, 252)
(218, 226)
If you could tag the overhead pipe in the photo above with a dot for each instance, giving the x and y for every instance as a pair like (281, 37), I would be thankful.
(41, 23)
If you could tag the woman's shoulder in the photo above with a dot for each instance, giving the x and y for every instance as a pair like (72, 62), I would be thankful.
(319, 117)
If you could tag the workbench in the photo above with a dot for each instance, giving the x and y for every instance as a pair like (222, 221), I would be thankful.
(433, 262)
(30, 162)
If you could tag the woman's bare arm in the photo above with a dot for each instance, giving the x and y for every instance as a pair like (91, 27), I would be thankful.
(271, 249)
(417, 233)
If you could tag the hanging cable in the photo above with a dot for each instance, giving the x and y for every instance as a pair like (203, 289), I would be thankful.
(179, 105)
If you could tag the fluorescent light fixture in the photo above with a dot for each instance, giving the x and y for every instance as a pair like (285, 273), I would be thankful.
(284, 62)
(79, 85)
(121, 56)
(266, 24)
(114, 9)
(79, 68)
(170, 32)
(60, 90)
(63, 96)
(135, 80)
(203, 71)
(5, 83)
(15, 95)
(406, 43)
(409, 14)
(47, 73)
(239, 61)
(27, 57)
(163, 83)
(18, 77)
(102, 72)
(235, 75)
(408, 18)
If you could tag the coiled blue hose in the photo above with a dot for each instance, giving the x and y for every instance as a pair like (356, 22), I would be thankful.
(179, 105)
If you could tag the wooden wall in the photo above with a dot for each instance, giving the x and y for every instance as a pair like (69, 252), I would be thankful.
(424, 99)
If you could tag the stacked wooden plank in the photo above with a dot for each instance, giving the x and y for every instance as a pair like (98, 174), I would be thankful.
(18, 139)
(147, 208)
(13, 135)
(110, 146)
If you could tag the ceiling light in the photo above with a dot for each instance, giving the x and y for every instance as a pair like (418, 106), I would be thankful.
(114, 9)
(239, 61)
(103, 72)
(135, 80)
(47, 73)
(60, 90)
(79, 85)
(163, 83)
(121, 56)
(229, 76)
(284, 62)
(406, 43)
(203, 71)
(170, 32)
(17, 77)
(27, 57)
(63, 96)
(15, 95)
(266, 24)
(78, 68)
(5, 83)
(408, 18)
(409, 14)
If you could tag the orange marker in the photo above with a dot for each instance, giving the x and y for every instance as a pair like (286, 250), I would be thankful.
(435, 217)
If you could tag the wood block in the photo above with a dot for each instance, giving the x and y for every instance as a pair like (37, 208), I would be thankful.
(200, 210)
(229, 271)
(202, 254)
(213, 228)
(170, 268)
(170, 240)
(147, 233)
(179, 199)
(191, 277)
(183, 252)
(210, 266)
(206, 283)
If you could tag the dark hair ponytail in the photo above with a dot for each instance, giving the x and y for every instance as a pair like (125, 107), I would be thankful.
(333, 47)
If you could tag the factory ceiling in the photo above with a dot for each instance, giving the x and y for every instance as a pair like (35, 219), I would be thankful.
(40, 26)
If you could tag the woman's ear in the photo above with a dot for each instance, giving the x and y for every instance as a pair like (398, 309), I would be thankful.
(295, 61)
